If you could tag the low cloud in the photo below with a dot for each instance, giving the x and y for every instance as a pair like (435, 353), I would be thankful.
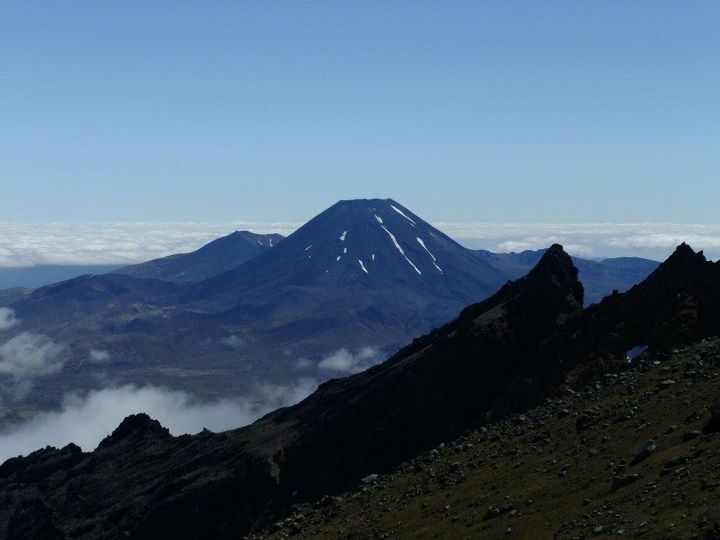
(652, 240)
(98, 356)
(31, 244)
(7, 318)
(86, 419)
(304, 363)
(235, 342)
(345, 362)
(28, 355)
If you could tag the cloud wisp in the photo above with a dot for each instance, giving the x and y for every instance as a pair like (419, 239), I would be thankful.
(234, 341)
(85, 419)
(98, 356)
(25, 357)
(7, 319)
(345, 362)
(30, 355)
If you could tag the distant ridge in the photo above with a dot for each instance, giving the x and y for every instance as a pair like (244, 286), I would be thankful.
(213, 258)
(361, 279)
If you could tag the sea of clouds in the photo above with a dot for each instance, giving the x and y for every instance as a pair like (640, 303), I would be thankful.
(30, 244)
(593, 240)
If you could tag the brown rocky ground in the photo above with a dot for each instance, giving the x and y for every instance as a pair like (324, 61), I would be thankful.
(634, 454)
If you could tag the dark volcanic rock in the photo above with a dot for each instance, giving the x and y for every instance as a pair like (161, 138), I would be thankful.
(715, 412)
(42, 463)
(645, 451)
(599, 278)
(33, 519)
(623, 480)
(678, 303)
(584, 421)
(136, 428)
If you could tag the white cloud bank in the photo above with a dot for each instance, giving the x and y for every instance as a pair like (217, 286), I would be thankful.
(345, 362)
(86, 419)
(29, 244)
(7, 318)
(652, 240)
(27, 356)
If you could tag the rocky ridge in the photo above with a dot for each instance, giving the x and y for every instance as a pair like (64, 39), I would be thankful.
(631, 454)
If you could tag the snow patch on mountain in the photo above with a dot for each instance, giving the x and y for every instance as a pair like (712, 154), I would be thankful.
(403, 214)
(434, 260)
(397, 246)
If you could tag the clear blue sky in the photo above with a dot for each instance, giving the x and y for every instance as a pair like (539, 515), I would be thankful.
(463, 111)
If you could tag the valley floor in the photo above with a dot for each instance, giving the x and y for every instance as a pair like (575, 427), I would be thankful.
(580, 466)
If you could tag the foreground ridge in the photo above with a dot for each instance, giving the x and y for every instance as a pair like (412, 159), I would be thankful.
(633, 453)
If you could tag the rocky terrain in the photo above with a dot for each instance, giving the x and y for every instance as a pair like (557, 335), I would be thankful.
(486, 377)
(599, 277)
(633, 454)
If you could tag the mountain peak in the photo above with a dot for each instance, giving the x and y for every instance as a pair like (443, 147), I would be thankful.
(371, 242)
(557, 270)
(554, 259)
(136, 427)
(684, 254)
(373, 200)
(683, 267)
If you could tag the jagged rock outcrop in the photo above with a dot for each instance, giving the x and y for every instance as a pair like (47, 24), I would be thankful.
(678, 303)
(136, 428)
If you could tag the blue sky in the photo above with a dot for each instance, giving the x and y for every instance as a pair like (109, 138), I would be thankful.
(559, 111)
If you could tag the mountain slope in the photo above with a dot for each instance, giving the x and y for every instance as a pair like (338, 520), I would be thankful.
(536, 476)
(44, 274)
(213, 258)
(599, 278)
(361, 280)
(499, 357)
(364, 272)
(146, 483)
(374, 244)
